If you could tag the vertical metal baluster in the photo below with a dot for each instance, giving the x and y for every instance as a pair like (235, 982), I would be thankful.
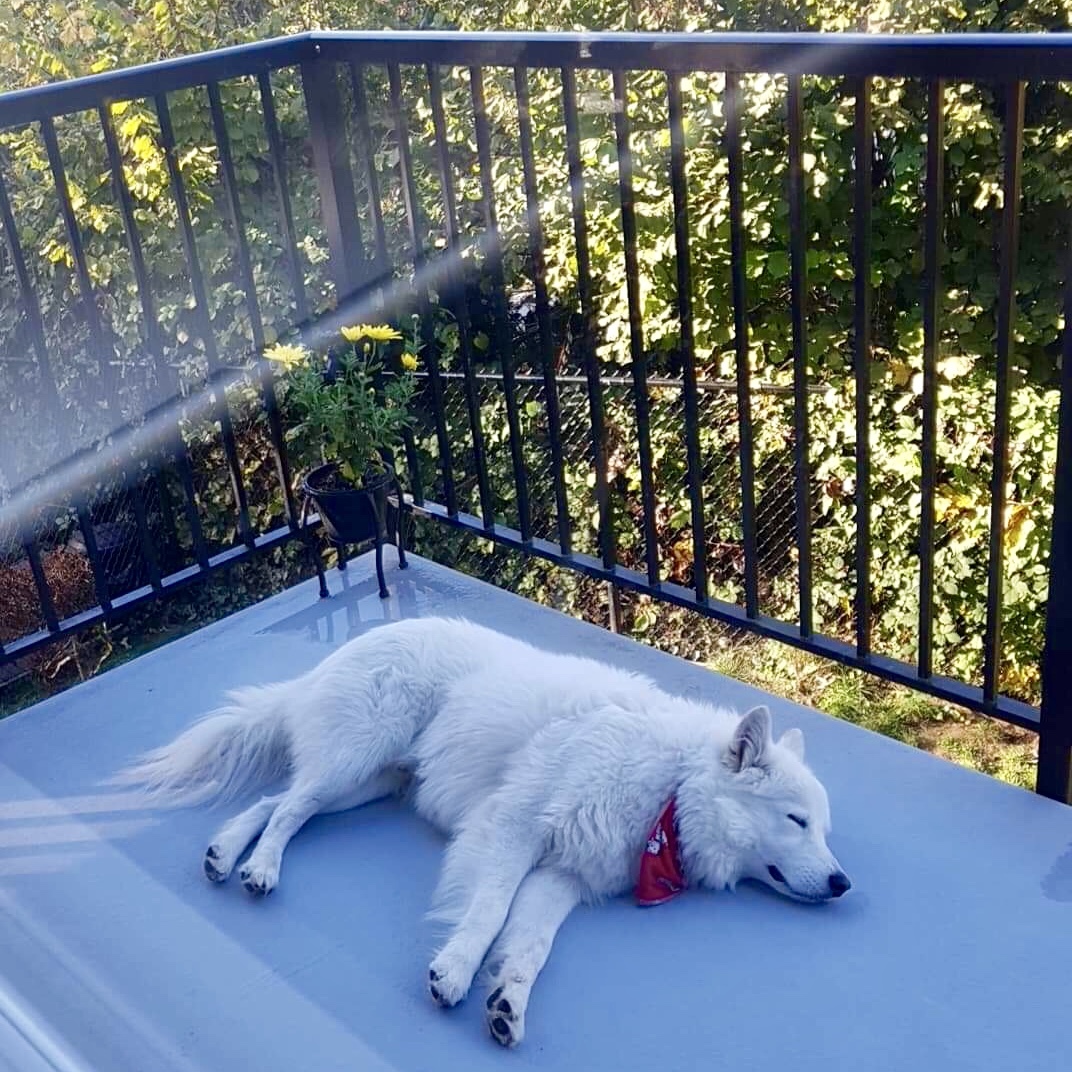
(168, 509)
(503, 344)
(335, 181)
(193, 517)
(799, 289)
(457, 296)
(740, 339)
(1054, 777)
(363, 130)
(134, 484)
(861, 240)
(636, 326)
(607, 538)
(1010, 241)
(680, 191)
(607, 548)
(44, 593)
(932, 255)
(409, 198)
(543, 308)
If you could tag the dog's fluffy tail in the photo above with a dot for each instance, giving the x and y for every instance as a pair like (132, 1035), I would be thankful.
(243, 744)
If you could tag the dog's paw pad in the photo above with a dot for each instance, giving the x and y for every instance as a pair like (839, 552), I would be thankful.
(446, 987)
(506, 1026)
(437, 995)
(216, 870)
(257, 882)
(502, 1031)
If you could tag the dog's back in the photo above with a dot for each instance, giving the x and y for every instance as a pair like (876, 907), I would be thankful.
(486, 720)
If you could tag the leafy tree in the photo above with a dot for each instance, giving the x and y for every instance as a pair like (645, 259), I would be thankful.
(53, 41)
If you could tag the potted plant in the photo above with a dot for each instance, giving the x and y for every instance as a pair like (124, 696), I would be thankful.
(353, 410)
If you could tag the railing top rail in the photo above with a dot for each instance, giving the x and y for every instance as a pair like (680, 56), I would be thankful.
(989, 56)
(52, 99)
(972, 56)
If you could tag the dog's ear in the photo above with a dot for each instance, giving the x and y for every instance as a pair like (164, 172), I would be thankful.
(750, 740)
(793, 740)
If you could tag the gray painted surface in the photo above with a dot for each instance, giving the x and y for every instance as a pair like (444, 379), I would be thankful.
(954, 950)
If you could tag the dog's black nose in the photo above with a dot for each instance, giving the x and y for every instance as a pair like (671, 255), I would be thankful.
(839, 883)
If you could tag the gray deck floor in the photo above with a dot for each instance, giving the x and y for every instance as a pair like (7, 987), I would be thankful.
(954, 950)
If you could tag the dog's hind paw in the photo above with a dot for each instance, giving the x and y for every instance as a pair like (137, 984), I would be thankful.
(445, 984)
(217, 868)
(260, 881)
(506, 1020)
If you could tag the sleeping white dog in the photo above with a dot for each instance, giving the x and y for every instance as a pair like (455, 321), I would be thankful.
(558, 779)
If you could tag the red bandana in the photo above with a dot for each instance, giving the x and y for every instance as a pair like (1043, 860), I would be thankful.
(660, 869)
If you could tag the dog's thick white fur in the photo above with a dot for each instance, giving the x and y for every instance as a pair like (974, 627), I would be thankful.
(547, 771)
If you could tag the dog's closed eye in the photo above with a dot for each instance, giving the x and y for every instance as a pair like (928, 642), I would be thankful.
(799, 820)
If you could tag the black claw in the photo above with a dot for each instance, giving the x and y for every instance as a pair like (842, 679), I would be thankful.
(504, 1008)
(434, 993)
(494, 997)
(212, 852)
(433, 975)
(500, 1027)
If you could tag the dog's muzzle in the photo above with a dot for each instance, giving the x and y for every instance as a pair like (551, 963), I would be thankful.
(838, 883)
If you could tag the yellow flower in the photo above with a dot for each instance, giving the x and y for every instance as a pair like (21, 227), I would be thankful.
(409, 362)
(373, 332)
(287, 356)
(382, 333)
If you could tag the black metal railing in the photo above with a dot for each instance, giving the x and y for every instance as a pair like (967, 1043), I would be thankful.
(404, 134)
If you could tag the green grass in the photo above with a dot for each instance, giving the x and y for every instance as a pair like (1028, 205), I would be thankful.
(19, 694)
(955, 734)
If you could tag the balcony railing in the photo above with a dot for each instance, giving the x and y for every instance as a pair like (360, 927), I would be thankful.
(442, 176)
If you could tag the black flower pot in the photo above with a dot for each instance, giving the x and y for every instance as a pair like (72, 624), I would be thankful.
(354, 514)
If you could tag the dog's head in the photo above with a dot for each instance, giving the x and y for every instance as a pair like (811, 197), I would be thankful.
(772, 817)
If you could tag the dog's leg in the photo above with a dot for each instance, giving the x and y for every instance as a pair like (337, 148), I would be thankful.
(484, 867)
(541, 906)
(260, 873)
(234, 836)
(385, 784)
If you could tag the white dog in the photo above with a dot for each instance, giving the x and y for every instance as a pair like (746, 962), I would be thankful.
(558, 779)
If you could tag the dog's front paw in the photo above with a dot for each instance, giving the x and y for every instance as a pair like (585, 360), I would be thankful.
(217, 866)
(258, 879)
(448, 982)
(505, 1017)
